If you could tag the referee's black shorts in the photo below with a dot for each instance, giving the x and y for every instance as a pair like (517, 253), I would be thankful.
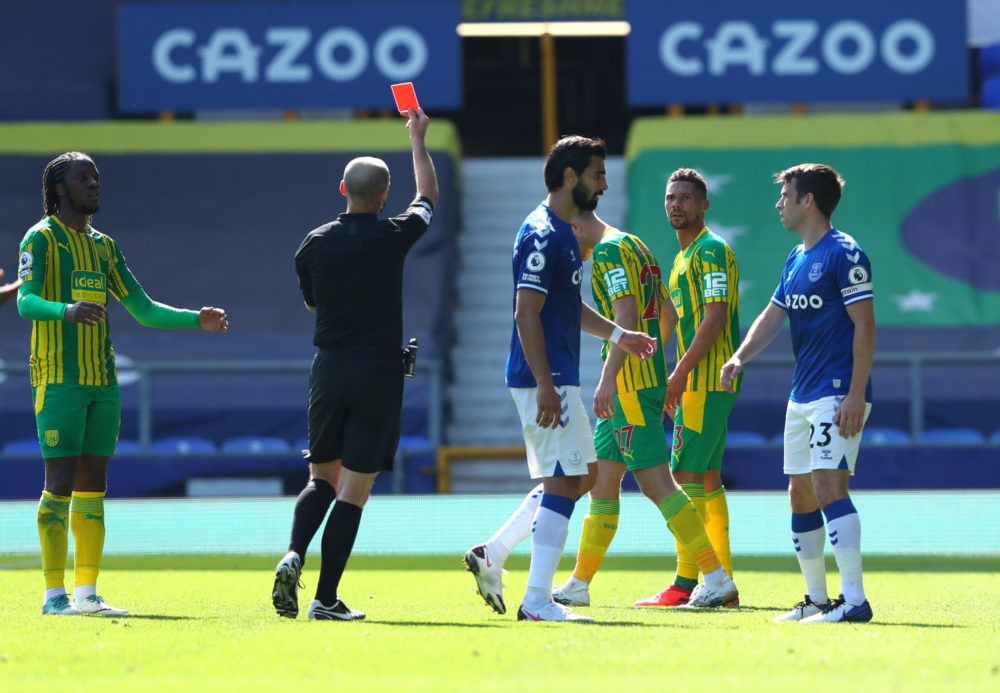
(355, 399)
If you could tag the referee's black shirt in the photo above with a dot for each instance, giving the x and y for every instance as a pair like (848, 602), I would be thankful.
(351, 271)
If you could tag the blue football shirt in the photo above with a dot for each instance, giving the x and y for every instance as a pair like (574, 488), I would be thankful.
(547, 259)
(815, 289)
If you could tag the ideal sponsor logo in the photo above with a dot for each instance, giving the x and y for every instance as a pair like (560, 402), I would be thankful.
(89, 286)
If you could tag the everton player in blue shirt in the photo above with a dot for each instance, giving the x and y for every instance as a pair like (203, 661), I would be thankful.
(543, 372)
(825, 291)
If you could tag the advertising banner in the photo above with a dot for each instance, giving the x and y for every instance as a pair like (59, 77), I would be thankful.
(542, 10)
(204, 55)
(921, 199)
(732, 51)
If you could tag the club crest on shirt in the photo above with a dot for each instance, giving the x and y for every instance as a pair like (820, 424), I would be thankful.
(52, 438)
(816, 271)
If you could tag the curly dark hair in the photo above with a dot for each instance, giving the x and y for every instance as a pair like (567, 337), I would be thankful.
(55, 173)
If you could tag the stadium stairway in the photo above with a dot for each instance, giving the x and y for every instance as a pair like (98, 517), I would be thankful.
(497, 195)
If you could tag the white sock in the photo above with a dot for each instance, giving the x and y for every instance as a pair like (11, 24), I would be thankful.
(809, 551)
(548, 539)
(52, 592)
(845, 535)
(516, 529)
(716, 577)
(81, 592)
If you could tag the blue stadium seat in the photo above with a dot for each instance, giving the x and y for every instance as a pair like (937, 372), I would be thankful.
(412, 444)
(745, 438)
(22, 446)
(184, 445)
(127, 446)
(989, 61)
(995, 438)
(255, 445)
(953, 436)
(778, 438)
(301, 444)
(875, 435)
(989, 92)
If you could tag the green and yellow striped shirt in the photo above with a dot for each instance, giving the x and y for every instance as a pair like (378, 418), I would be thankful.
(624, 266)
(63, 265)
(706, 272)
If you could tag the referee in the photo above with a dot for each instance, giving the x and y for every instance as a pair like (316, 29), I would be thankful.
(351, 275)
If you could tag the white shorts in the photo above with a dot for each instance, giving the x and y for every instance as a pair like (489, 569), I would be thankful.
(813, 441)
(570, 444)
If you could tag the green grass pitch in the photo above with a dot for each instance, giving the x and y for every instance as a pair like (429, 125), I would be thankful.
(206, 623)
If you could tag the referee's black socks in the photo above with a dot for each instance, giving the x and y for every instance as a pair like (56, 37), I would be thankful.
(338, 541)
(310, 509)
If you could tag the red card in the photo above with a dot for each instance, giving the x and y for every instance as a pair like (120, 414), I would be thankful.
(406, 97)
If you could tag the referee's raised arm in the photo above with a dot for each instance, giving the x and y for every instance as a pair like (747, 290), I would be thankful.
(423, 167)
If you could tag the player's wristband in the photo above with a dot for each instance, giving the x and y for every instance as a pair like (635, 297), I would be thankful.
(616, 334)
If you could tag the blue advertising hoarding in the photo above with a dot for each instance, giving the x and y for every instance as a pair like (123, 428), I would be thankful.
(198, 55)
(542, 10)
(770, 50)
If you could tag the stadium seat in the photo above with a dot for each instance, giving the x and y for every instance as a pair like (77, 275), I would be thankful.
(22, 446)
(778, 438)
(875, 435)
(989, 92)
(127, 446)
(413, 444)
(301, 444)
(745, 438)
(989, 61)
(995, 438)
(255, 445)
(952, 436)
(184, 445)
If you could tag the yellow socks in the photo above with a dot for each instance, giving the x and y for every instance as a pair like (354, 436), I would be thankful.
(687, 568)
(53, 512)
(717, 526)
(599, 528)
(87, 522)
(688, 528)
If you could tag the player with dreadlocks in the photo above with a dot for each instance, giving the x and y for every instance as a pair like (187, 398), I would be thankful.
(68, 268)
